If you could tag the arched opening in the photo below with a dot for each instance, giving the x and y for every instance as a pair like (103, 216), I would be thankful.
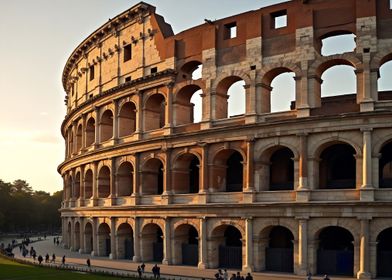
(337, 167)
(154, 112)
(282, 170)
(384, 253)
(152, 175)
(385, 166)
(125, 179)
(339, 80)
(187, 106)
(125, 242)
(104, 246)
(185, 174)
(186, 245)
(152, 243)
(79, 143)
(335, 255)
(230, 98)
(88, 184)
(90, 132)
(127, 119)
(228, 171)
(104, 182)
(77, 237)
(106, 126)
(68, 188)
(192, 70)
(227, 241)
(283, 92)
(280, 250)
(385, 82)
(88, 238)
(76, 191)
(338, 43)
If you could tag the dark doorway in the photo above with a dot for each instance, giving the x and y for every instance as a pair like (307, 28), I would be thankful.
(194, 176)
(128, 246)
(234, 173)
(190, 250)
(158, 246)
(337, 167)
(230, 253)
(282, 170)
(335, 254)
(384, 253)
(279, 253)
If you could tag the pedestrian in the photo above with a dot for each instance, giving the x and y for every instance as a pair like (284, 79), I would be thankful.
(54, 240)
(238, 277)
(154, 271)
(88, 262)
(53, 258)
(233, 277)
(143, 266)
(139, 271)
(47, 258)
(248, 277)
(34, 255)
(63, 260)
(158, 272)
(309, 276)
(326, 277)
(40, 259)
(58, 242)
(225, 274)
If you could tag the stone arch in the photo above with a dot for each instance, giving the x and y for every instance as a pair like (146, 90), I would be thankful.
(183, 108)
(104, 242)
(88, 236)
(270, 71)
(90, 131)
(127, 118)
(185, 244)
(152, 242)
(154, 108)
(192, 222)
(185, 172)
(125, 241)
(124, 181)
(380, 58)
(88, 183)
(316, 147)
(237, 223)
(104, 182)
(242, 75)
(152, 171)
(77, 185)
(77, 231)
(106, 125)
(228, 170)
(323, 63)
(79, 132)
(315, 227)
(188, 67)
(379, 226)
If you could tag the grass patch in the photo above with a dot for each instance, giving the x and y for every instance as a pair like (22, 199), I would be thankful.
(11, 270)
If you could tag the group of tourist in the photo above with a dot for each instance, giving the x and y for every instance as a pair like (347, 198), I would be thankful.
(224, 275)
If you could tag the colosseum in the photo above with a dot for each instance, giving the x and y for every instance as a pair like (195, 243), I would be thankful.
(309, 188)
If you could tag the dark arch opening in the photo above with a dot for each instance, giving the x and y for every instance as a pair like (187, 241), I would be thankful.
(282, 170)
(337, 167)
(385, 167)
(127, 119)
(384, 253)
(90, 132)
(335, 253)
(230, 250)
(154, 112)
(234, 173)
(280, 253)
(152, 176)
(106, 126)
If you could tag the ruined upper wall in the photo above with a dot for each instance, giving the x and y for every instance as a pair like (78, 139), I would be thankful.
(149, 40)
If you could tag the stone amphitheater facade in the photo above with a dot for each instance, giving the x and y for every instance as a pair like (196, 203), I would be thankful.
(260, 191)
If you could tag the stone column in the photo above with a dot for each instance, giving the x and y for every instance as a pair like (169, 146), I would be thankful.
(251, 101)
(248, 267)
(95, 182)
(136, 180)
(314, 91)
(95, 237)
(136, 241)
(113, 179)
(303, 192)
(82, 247)
(83, 146)
(249, 185)
(139, 115)
(364, 95)
(167, 243)
(113, 234)
(203, 244)
(364, 260)
(367, 191)
(302, 246)
(169, 107)
(265, 94)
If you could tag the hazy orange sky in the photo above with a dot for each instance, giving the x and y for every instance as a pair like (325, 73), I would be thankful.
(36, 39)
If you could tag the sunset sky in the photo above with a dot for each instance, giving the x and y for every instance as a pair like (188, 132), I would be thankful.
(36, 39)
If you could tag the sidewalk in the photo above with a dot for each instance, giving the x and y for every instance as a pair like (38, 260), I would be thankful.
(126, 267)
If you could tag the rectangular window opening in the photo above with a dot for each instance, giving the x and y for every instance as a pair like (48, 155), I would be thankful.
(127, 52)
(128, 79)
(230, 30)
(279, 19)
(92, 74)
(154, 70)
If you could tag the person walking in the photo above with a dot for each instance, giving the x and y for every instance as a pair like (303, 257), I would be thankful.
(249, 276)
(47, 258)
(53, 258)
(139, 271)
(63, 260)
(143, 266)
(309, 276)
(225, 274)
(154, 271)
(40, 259)
(88, 262)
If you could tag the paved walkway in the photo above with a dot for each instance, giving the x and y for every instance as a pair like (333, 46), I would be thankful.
(126, 267)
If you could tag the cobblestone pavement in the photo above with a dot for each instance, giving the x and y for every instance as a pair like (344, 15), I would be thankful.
(126, 267)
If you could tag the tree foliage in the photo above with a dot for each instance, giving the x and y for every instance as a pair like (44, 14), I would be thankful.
(24, 210)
